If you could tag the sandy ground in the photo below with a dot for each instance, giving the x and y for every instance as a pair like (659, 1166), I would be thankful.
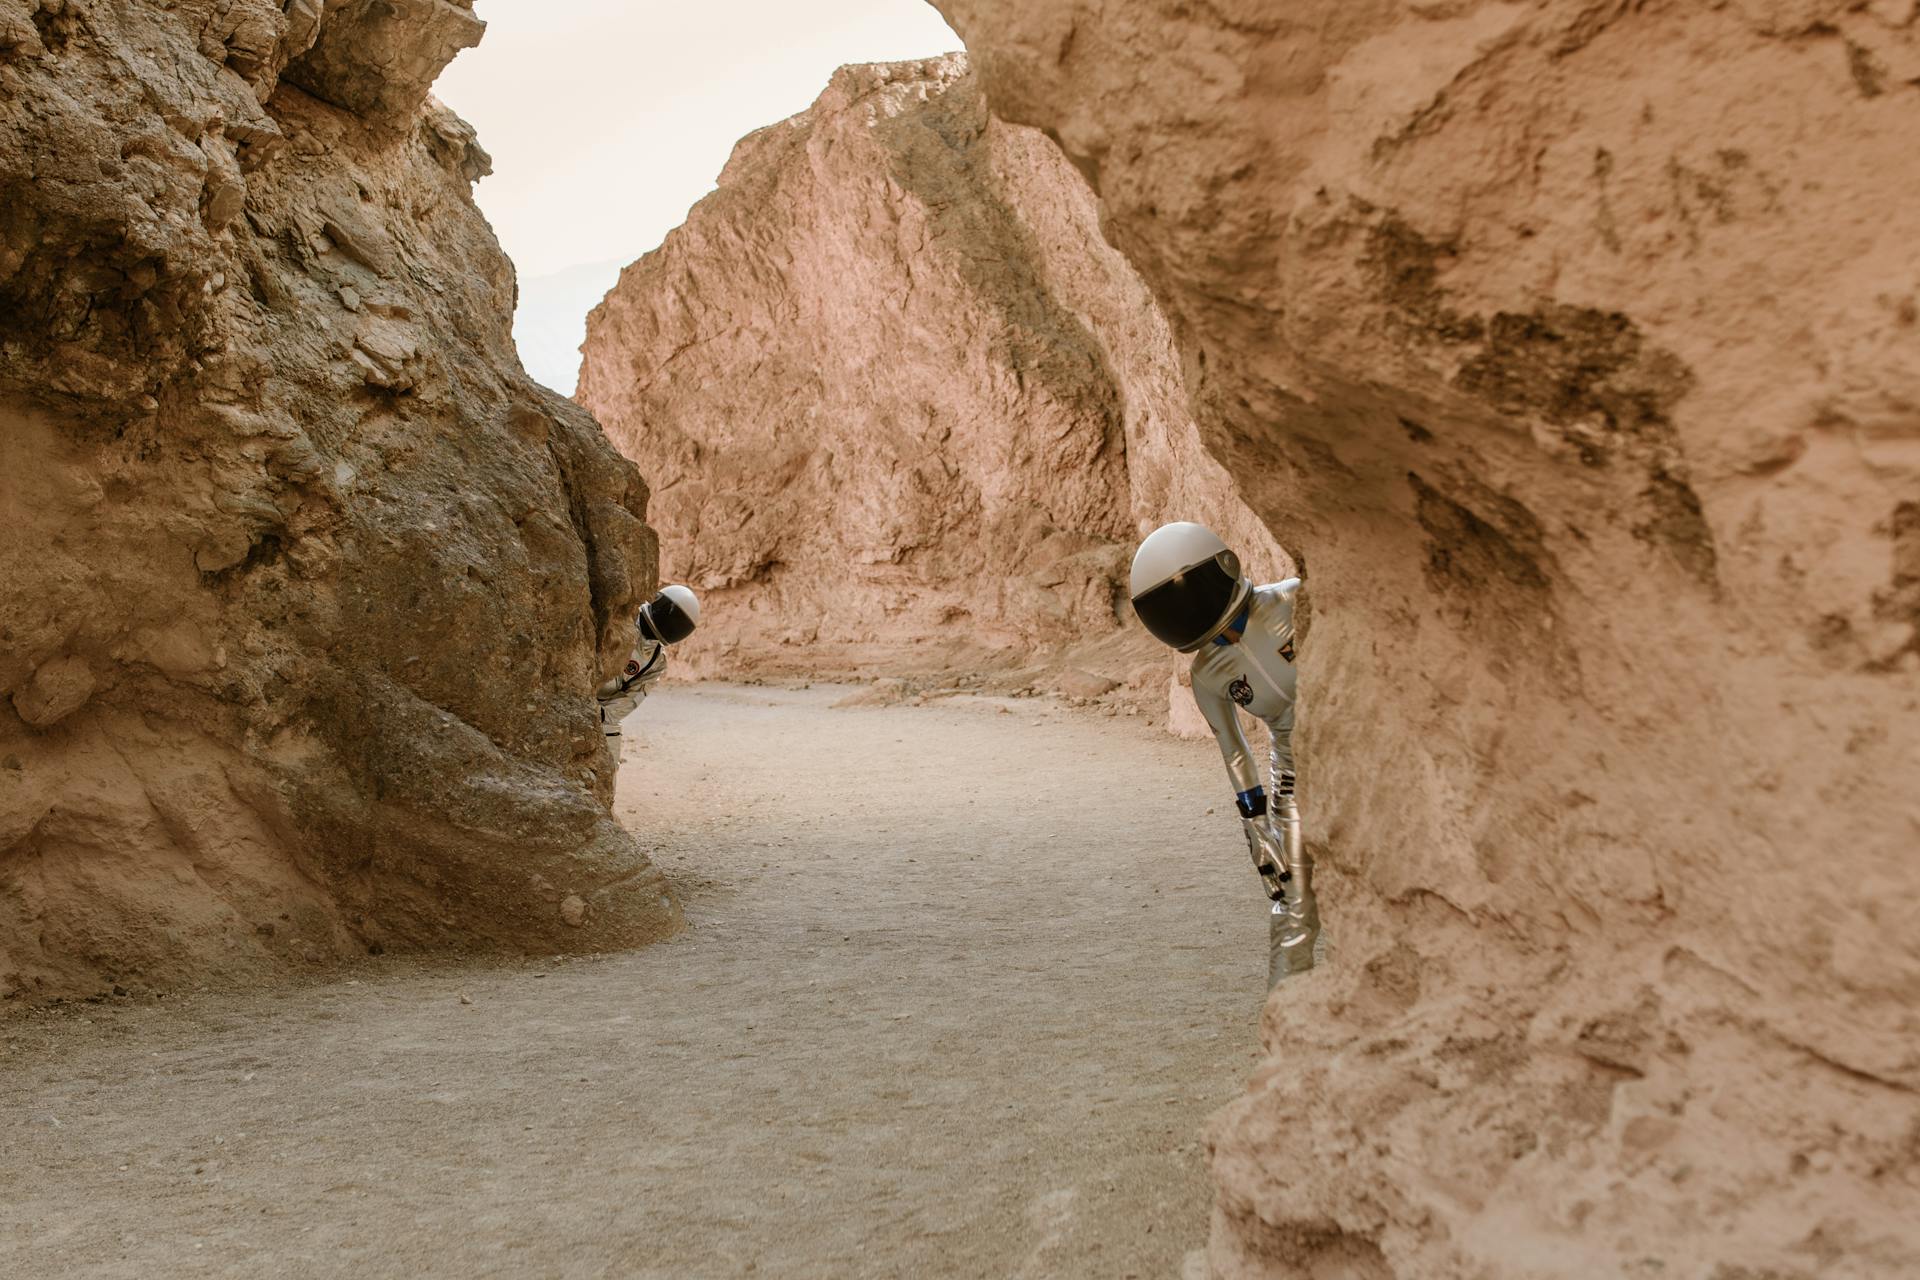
(962, 984)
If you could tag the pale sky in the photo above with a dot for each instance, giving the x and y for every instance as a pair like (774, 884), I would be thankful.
(607, 119)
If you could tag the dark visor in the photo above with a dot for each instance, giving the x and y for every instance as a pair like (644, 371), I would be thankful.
(1181, 610)
(665, 621)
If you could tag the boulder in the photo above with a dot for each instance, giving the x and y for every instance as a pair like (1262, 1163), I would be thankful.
(304, 585)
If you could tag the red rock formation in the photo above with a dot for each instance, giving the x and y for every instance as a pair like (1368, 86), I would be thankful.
(305, 585)
(904, 409)
(1574, 347)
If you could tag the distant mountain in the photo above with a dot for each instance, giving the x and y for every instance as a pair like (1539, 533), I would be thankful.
(552, 320)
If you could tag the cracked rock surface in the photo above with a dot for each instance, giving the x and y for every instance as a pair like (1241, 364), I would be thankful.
(304, 584)
(1573, 349)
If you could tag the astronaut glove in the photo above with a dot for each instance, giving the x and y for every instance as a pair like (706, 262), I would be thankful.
(1265, 849)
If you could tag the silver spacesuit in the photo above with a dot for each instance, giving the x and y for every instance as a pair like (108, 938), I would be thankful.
(668, 618)
(621, 696)
(1188, 590)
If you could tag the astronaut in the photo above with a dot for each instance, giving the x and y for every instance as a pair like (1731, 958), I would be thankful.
(1188, 590)
(668, 618)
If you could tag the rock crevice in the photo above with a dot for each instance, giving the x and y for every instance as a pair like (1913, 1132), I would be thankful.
(905, 410)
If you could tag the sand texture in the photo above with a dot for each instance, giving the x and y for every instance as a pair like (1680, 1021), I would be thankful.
(937, 1014)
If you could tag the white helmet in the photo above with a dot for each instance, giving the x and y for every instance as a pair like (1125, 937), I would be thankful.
(671, 615)
(1186, 585)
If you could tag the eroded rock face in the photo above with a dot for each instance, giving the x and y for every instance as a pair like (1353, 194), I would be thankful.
(1573, 347)
(903, 408)
(303, 585)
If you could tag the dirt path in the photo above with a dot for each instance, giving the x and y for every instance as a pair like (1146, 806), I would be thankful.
(961, 987)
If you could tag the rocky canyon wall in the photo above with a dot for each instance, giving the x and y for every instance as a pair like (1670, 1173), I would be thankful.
(1574, 349)
(903, 408)
(304, 585)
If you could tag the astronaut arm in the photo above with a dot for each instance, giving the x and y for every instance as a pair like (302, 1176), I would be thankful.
(615, 710)
(1262, 845)
(1220, 717)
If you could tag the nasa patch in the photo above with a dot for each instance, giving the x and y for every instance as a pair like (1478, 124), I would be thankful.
(633, 668)
(1240, 691)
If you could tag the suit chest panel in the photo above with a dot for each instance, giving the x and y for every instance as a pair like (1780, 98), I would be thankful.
(1256, 673)
(644, 665)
